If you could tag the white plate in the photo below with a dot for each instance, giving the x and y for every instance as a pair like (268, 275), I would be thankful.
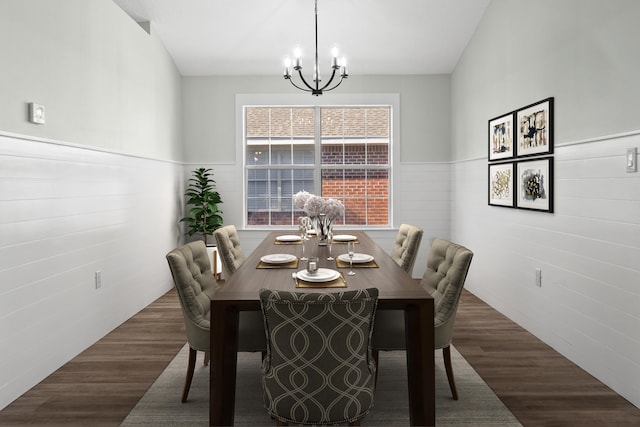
(322, 275)
(278, 258)
(344, 237)
(288, 238)
(357, 258)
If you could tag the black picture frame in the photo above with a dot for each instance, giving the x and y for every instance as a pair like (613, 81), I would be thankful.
(501, 137)
(534, 129)
(534, 184)
(501, 184)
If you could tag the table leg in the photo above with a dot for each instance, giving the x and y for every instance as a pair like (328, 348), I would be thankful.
(420, 363)
(224, 358)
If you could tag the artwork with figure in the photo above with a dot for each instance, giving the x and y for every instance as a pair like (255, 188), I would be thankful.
(532, 129)
(535, 128)
(501, 137)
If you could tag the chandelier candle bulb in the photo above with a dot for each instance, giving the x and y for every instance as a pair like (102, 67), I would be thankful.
(287, 67)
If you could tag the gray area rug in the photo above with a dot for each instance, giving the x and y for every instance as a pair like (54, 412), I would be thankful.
(478, 405)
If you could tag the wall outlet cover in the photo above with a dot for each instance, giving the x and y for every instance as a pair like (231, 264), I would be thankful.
(36, 113)
(632, 159)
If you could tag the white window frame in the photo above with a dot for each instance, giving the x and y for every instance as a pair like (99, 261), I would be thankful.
(327, 100)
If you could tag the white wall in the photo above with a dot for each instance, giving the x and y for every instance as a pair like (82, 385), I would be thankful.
(85, 191)
(103, 80)
(582, 53)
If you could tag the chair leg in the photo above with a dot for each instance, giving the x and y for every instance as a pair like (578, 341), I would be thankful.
(374, 355)
(206, 358)
(446, 353)
(190, 368)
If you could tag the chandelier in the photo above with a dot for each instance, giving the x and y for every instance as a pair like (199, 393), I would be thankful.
(315, 87)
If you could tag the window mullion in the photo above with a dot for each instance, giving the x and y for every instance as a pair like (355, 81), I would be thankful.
(317, 127)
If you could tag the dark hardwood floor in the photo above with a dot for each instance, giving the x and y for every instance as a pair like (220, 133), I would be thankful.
(538, 385)
(101, 385)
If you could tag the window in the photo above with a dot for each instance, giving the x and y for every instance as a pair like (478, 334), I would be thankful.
(338, 152)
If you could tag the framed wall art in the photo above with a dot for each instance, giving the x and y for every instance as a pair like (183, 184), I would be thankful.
(534, 124)
(534, 184)
(501, 137)
(501, 184)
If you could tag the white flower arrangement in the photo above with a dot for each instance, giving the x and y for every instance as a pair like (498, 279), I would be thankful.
(300, 198)
(314, 205)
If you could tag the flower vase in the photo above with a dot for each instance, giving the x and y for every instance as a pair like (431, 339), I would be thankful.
(324, 224)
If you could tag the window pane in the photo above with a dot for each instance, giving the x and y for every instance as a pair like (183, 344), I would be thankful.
(355, 154)
(257, 122)
(304, 153)
(378, 154)
(355, 136)
(378, 197)
(280, 122)
(378, 122)
(281, 154)
(332, 154)
(332, 122)
(270, 194)
(355, 211)
(303, 122)
(257, 154)
(302, 180)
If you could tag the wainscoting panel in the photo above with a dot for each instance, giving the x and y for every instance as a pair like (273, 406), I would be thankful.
(67, 212)
(588, 307)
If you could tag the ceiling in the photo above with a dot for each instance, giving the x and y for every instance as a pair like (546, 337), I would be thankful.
(252, 37)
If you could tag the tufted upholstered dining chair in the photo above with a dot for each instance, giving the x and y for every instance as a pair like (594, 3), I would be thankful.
(229, 249)
(196, 285)
(406, 246)
(447, 267)
(318, 368)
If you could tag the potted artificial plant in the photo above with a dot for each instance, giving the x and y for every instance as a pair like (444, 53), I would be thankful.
(204, 216)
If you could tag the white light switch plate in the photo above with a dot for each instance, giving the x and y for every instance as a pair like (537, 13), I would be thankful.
(632, 159)
(36, 113)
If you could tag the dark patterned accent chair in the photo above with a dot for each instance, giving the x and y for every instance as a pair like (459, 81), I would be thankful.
(406, 246)
(229, 249)
(196, 285)
(318, 369)
(447, 267)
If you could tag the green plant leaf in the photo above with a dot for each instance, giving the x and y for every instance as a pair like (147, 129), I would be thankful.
(204, 216)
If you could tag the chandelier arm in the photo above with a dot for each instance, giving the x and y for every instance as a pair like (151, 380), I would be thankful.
(301, 88)
(304, 81)
(333, 74)
(332, 88)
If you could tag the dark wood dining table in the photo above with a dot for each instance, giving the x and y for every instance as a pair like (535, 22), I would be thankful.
(397, 291)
